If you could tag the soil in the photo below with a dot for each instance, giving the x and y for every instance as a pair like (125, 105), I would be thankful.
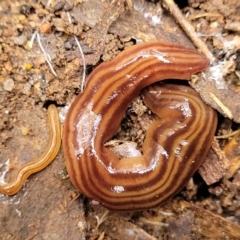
(40, 63)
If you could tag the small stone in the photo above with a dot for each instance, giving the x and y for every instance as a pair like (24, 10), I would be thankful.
(22, 19)
(45, 27)
(8, 85)
(26, 89)
(67, 45)
(20, 40)
(25, 9)
(37, 85)
(67, 7)
(76, 62)
(59, 6)
(39, 61)
(8, 66)
(24, 130)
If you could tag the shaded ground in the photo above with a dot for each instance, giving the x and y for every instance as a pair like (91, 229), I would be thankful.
(48, 206)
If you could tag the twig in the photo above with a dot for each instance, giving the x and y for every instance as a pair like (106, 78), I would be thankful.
(153, 222)
(82, 55)
(130, 4)
(83, 62)
(225, 110)
(188, 28)
(101, 220)
(225, 136)
(200, 15)
(46, 55)
(32, 39)
(101, 237)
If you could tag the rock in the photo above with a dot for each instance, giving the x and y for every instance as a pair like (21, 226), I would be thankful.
(20, 40)
(8, 85)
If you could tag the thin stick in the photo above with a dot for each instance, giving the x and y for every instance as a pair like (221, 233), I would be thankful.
(200, 15)
(225, 136)
(83, 62)
(225, 109)
(101, 220)
(46, 55)
(32, 39)
(82, 55)
(188, 28)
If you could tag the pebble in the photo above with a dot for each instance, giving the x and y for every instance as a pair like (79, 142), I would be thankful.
(45, 28)
(20, 40)
(24, 130)
(8, 85)
(25, 9)
(59, 6)
(67, 45)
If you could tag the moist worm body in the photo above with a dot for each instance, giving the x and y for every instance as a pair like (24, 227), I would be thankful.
(42, 161)
(175, 146)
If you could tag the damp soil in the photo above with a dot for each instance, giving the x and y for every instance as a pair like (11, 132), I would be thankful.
(40, 63)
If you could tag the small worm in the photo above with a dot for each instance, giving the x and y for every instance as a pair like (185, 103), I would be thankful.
(40, 162)
(174, 147)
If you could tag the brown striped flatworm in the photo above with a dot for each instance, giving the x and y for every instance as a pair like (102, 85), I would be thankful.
(175, 145)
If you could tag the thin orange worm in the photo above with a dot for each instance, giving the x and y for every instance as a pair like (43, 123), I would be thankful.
(40, 162)
(175, 146)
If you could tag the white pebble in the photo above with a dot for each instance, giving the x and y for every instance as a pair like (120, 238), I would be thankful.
(21, 40)
(8, 85)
